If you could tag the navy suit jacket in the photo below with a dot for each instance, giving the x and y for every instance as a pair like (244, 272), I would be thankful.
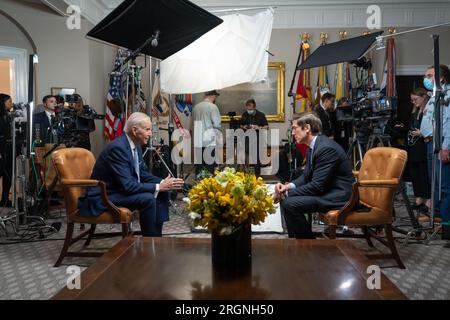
(44, 126)
(329, 177)
(115, 166)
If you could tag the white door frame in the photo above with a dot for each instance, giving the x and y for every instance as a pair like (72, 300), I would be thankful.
(20, 71)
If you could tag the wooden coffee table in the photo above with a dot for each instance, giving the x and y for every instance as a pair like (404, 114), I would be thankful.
(181, 268)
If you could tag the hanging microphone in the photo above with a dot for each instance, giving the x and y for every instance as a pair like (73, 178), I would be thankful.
(155, 39)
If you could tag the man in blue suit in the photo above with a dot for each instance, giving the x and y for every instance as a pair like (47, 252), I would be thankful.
(326, 182)
(42, 121)
(121, 167)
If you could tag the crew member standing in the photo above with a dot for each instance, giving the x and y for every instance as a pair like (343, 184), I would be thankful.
(253, 119)
(207, 125)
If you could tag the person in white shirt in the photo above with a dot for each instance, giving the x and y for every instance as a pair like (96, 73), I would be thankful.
(207, 126)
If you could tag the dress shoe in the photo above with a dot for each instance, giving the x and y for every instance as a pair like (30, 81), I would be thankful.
(445, 232)
(6, 203)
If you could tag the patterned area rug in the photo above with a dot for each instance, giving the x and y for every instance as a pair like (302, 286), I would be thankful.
(27, 271)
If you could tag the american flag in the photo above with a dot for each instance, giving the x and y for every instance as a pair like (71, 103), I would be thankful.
(114, 124)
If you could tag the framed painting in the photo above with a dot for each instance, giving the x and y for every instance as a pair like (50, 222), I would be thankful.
(268, 94)
(56, 91)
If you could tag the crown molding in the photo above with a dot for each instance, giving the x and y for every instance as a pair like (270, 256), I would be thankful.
(311, 14)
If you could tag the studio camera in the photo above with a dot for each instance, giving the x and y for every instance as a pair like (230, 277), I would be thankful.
(72, 98)
(365, 105)
(368, 113)
(90, 113)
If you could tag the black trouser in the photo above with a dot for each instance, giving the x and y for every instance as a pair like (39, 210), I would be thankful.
(6, 172)
(294, 209)
(256, 166)
(419, 178)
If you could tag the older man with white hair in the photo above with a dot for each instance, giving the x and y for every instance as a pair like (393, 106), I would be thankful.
(128, 182)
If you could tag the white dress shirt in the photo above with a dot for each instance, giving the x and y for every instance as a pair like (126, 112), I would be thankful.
(311, 147)
(133, 147)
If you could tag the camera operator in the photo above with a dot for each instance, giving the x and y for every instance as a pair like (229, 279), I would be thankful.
(442, 164)
(6, 106)
(75, 122)
(42, 120)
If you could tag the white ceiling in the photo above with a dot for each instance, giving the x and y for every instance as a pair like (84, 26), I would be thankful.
(312, 13)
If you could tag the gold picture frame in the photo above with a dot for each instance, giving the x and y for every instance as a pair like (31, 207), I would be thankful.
(269, 96)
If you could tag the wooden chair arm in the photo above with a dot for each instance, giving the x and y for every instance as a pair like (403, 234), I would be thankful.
(348, 207)
(388, 183)
(79, 183)
(87, 183)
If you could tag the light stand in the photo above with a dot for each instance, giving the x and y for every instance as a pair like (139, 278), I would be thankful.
(21, 178)
(437, 136)
(291, 88)
(291, 144)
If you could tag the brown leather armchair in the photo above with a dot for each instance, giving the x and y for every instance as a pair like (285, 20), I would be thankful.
(377, 183)
(74, 168)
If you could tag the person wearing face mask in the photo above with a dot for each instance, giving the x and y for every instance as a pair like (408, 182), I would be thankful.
(442, 207)
(253, 119)
(6, 106)
(325, 111)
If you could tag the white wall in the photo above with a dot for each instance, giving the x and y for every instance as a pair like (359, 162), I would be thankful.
(66, 57)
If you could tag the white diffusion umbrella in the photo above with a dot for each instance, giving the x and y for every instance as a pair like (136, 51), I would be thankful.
(232, 53)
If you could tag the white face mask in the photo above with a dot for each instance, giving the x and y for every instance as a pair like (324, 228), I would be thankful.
(251, 112)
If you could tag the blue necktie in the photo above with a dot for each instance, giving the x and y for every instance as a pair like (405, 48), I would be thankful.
(136, 163)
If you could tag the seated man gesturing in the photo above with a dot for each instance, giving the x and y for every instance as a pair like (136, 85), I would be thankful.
(325, 184)
(128, 182)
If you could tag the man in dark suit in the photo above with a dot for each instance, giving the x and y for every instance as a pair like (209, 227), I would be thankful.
(325, 111)
(121, 167)
(42, 120)
(325, 184)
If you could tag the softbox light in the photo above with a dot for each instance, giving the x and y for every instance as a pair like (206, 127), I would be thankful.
(170, 24)
(347, 50)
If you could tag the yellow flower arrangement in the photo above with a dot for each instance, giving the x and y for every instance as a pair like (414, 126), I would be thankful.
(228, 200)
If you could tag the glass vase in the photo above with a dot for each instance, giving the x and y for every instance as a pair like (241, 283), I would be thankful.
(234, 250)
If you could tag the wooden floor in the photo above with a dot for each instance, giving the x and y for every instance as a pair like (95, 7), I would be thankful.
(175, 268)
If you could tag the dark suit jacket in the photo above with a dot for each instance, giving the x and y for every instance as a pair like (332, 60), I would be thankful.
(115, 166)
(328, 121)
(329, 177)
(41, 119)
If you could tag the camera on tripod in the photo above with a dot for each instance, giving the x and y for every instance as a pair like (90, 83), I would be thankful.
(72, 98)
(368, 112)
(365, 105)
(73, 124)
